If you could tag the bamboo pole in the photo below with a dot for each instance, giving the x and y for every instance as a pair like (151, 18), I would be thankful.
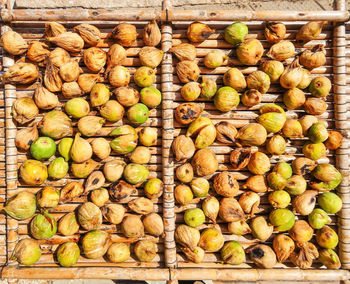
(130, 273)
(66, 15)
(230, 15)
(11, 151)
(342, 124)
(252, 274)
(168, 136)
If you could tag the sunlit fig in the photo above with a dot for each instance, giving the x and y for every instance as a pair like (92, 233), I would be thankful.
(184, 51)
(190, 91)
(334, 140)
(294, 98)
(310, 30)
(26, 136)
(305, 202)
(138, 114)
(198, 32)
(301, 231)
(194, 217)
(306, 122)
(283, 247)
(151, 97)
(276, 145)
(211, 207)
(211, 240)
(145, 250)
(121, 191)
(99, 197)
(258, 80)
(81, 150)
(187, 112)
(94, 58)
(276, 181)
(113, 213)
(187, 71)
(89, 33)
(318, 218)
(259, 163)
(250, 51)
(225, 132)
(113, 170)
(89, 216)
(235, 33)
(274, 32)
(320, 86)
(116, 55)
(283, 169)
(58, 168)
(69, 41)
(313, 58)
(13, 43)
(58, 57)
(119, 76)
(56, 125)
(230, 210)
(314, 151)
(68, 254)
(234, 78)
(239, 158)
(256, 183)
(263, 256)
(252, 134)
(260, 228)
(141, 205)
(118, 252)
(251, 98)
(124, 33)
(69, 71)
(326, 173)
(21, 206)
(134, 173)
(100, 148)
(38, 51)
(150, 56)
(68, 225)
(279, 199)
(154, 188)
(204, 162)
(239, 228)
(304, 254)
(292, 75)
(306, 79)
(303, 166)
(272, 121)
(82, 170)
(132, 226)
(24, 110)
(183, 148)
(153, 224)
(296, 185)
(151, 34)
(327, 237)
(187, 236)
(282, 50)
(43, 226)
(329, 258)
(200, 187)
(71, 190)
(215, 58)
(26, 252)
(330, 202)
(95, 243)
(33, 172)
(144, 76)
(273, 68)
(225, 184)
(183, 194)
(282, 219)
(292, 129)
(125, 140)
(233, 253)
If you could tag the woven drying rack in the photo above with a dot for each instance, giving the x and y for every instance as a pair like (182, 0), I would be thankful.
(170, 264)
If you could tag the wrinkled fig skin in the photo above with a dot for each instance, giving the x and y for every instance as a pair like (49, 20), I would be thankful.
(120, 191)
(329, 258)
(263, 256)
(303, 166)
(26, 252)
(183, 148)
(225, 184)
(187, 112)
(305, 202)
(68, 224)
(239, 158)
(89, 216)
(283, 247)
(304, 255)
(230, 210)
(274, 32)
(71, 190)
(204, 162)
(187, 236)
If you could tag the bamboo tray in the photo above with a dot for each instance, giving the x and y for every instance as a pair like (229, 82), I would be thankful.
(169, 264)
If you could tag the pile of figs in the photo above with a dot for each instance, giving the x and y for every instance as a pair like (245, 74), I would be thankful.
(273, 197)
(88, 141)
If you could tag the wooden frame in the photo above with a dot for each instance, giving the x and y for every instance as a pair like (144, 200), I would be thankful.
(170, 271)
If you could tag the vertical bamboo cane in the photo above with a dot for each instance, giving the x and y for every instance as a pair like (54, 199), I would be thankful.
(341, 123)
(168, 136)
(11, 152)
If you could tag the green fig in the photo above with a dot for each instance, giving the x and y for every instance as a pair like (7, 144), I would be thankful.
(58, 168)
(144, 76)
(314, 151)
(326, 173)
(43, 226)
(26, 252)
(211, 240)
(151, 97)
(208, 88)
(226, 99)
(77, 107)
(283, 169)
(125, 141)
(233, 253)
(276, 181)
(138, 114)
(320, 87)
(330, 202)
(153, 188)
(296, 185)
(68, 254)
(135, 173)
(318, 218)
(282, 219)
(235, 33)
(200, 187)
(21, 206)
(48, 197)
(250, 51)
(99, 95)
(43, 148)
(33, 172)
(329, 258)
(64, 148)
(279, 199)
(194, 217)
(318, 133)
(327, 237)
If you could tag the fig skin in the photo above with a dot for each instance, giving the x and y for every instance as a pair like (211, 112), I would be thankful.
(204, 162)
(225, 184)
